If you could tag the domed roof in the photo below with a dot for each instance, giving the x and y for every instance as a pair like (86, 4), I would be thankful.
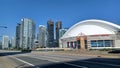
(92, 27)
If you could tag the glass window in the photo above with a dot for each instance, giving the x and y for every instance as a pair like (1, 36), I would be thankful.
(112, 43)
(107, 43)
(68, 44)
(78, 41)
(93, 43)
(71, 44)
(74, 44)
(100, 43)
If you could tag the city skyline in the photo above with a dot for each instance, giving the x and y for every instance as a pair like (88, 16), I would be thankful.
(67, 11)
(59, 33)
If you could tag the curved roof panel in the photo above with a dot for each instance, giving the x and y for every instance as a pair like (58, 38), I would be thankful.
(92, 27)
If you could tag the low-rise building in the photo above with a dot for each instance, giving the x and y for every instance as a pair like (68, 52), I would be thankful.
(92, 34)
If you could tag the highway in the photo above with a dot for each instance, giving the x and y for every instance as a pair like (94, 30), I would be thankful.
(53, 60)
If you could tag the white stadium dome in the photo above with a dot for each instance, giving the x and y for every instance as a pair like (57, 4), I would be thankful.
(92, 27)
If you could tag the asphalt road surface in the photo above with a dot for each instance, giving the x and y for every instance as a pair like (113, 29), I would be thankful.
(49, 60)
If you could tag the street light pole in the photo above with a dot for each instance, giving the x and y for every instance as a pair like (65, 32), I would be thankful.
(3, 27)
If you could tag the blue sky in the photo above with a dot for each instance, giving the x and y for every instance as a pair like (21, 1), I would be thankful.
(68, 11)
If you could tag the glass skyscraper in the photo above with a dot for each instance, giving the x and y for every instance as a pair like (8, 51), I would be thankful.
(13, 42)
(18, 27)
(42, 36)
(58, 27)
(5, 42)
(27, 33)
(50, 29)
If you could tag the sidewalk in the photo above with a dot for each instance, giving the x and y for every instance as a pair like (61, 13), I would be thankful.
(5, 62)
(102, 54)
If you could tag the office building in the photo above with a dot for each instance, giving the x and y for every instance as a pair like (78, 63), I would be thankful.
(42, 36)
(27, 33)
(13, 43)
(5, 42)
(18, 27)
(58, 27)
(50, 29)
(92, 34)
(36, 44)
(0, 44)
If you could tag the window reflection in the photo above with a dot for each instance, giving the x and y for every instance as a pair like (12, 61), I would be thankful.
(101, 43)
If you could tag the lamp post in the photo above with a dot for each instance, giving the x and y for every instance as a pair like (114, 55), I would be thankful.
(2, 27)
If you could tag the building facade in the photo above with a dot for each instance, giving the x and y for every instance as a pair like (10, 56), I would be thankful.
(61, 33)
(18, 27)
(92, 34)
(0, 44)
(42, 36)
(5, 42)
(36, 44)
(27, 33)
(50, 29)
(13, 42)
(58, 27)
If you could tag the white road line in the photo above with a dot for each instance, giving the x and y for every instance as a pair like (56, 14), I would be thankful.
(83, 61)
(101, 63)
(44, 59)
(57, 58)
(88, 61)
(58, 61)
(23, 61)
(75, 65)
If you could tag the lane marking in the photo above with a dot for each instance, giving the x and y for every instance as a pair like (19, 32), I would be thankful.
(85, 61)
(54, 58)
(101, 63)
(60, 57)
(23, 61)
(44, 59)
(59, 61)
(75, 65)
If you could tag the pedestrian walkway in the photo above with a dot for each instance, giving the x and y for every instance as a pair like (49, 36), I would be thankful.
(5, 62)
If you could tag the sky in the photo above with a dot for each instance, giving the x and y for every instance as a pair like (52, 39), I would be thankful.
(69, 12)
